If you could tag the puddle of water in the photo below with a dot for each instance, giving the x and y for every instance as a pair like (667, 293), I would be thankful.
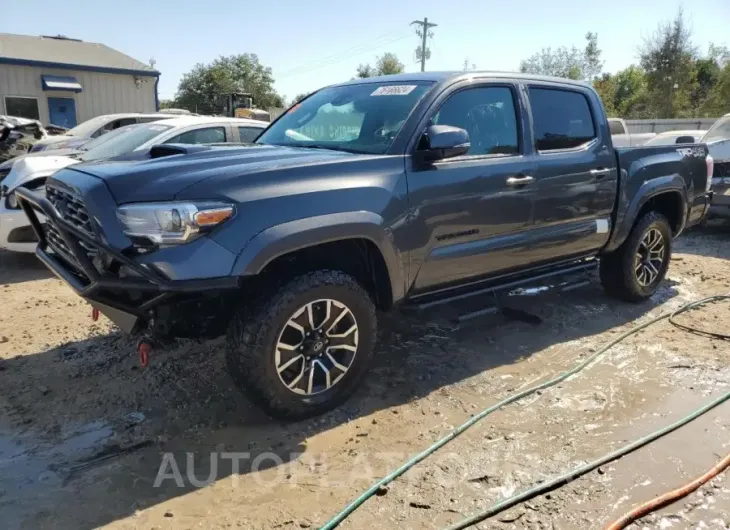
(30, 466)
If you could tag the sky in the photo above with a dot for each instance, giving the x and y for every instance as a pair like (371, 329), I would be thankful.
(310, 44)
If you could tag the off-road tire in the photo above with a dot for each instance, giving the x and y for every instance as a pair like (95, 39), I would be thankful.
(617, 269)
(254, 331)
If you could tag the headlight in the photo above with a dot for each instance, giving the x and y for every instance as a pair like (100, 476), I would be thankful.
(172, 223)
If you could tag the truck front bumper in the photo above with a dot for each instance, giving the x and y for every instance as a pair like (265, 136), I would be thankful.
(131, 299)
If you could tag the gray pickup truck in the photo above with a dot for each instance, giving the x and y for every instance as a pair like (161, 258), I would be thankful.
(365, 195)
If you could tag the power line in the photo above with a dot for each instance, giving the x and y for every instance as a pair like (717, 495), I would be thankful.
(353, 51)
(424, 33)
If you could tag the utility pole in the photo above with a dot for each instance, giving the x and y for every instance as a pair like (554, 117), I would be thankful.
(422, 31)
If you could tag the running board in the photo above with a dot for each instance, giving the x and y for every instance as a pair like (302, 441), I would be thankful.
(562, 279)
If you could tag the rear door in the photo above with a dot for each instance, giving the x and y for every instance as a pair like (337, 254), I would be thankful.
(575, 172)
(470, 212)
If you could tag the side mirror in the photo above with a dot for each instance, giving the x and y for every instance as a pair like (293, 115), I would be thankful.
(444, 141)
(685, 140)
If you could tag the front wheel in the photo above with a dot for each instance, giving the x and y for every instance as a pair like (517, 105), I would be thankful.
(634, 271)
(305, 349)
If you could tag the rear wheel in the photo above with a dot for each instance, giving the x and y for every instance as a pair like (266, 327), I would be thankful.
(305, 348)
(635, 270)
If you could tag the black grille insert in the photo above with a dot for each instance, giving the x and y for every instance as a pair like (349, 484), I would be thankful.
(70, 207)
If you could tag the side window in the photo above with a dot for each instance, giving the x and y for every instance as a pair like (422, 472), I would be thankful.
(562, 119)
(487, 114)
(210, 135)
(123, 122)
(249, 134)
(616, 127)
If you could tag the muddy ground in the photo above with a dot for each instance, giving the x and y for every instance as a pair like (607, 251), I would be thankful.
(84, 431)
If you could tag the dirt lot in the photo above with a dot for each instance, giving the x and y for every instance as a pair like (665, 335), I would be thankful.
(84, 431)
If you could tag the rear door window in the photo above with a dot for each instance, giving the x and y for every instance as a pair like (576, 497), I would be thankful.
(616, 127)
(562, 119)
(209, 135)
(249, 134)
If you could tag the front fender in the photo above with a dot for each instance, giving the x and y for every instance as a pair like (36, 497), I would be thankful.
(628, 208)
(302, 233)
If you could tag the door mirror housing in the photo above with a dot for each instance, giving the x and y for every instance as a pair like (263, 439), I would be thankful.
(444, 141)
(685, 140)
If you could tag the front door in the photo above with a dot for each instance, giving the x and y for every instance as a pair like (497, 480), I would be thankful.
(62, 112)
(470, 212)
(576, 178)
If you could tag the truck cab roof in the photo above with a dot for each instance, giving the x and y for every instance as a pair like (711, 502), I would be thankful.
(450, 77)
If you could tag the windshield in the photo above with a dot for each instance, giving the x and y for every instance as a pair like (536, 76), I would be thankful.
(362, 118)
(720, 130)
(122, 141)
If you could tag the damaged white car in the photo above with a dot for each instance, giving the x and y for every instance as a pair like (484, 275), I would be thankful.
(718, 142)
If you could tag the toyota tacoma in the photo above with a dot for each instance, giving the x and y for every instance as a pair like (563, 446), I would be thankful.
(365, 195)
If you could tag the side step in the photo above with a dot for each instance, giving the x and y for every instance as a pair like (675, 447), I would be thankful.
(563, 279)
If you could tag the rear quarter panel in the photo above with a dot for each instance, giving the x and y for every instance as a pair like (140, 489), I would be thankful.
(645, 172)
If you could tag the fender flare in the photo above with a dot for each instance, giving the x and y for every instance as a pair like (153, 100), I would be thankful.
(651, 188)
(288, 237)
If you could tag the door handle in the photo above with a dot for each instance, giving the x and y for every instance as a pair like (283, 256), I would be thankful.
(520, 181)
(600, 172)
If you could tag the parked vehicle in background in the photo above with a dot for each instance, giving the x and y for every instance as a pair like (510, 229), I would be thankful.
(94, 128)
(449, 184)
(677, 137)
(621, 137)
(18, 135)
(718, 142)
(134, 141)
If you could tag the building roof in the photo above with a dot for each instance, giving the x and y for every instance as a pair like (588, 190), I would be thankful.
(63, 52)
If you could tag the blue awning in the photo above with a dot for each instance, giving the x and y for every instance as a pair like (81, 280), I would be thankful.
(55, 82)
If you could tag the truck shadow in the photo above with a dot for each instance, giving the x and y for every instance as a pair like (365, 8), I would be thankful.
(82, 425)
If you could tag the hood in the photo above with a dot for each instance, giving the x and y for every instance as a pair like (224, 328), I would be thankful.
(162, 179)
(55, 153)
(29, 168)
(720, 150)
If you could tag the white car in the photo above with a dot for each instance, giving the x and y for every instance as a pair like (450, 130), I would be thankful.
(692, 136)
(718, 143)
(94, 128)
(620, 136)
(31, 172)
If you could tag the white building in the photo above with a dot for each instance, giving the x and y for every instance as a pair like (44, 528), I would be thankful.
(67, 81)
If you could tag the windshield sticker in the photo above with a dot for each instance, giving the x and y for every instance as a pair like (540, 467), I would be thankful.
(393, 90)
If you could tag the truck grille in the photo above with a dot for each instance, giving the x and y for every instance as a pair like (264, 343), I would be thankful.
(70, 207)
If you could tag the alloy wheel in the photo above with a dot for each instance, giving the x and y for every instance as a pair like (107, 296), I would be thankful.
(649, 258)
(316, 347)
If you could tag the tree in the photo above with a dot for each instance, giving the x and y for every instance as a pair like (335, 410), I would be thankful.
(592, 64)
(202, 87)
(606, 88)
(567, 62)
(299, 97)
(386, 64)
(668, 58)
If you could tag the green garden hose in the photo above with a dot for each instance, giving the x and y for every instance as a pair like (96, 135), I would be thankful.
(350, 508)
